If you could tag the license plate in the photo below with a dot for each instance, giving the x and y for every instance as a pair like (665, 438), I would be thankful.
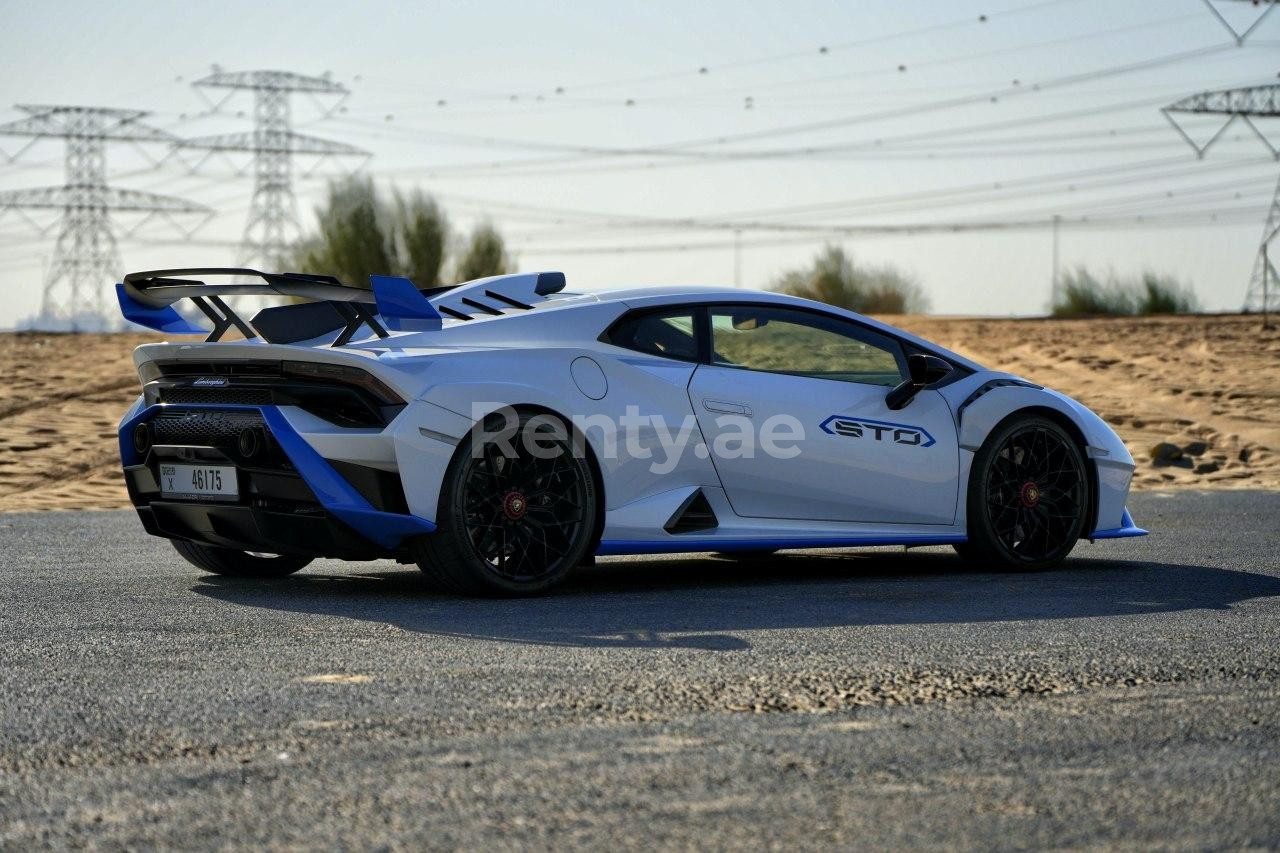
(199, 481)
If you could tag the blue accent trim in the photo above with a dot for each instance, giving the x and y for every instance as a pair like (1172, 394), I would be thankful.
(164, 319)
(402, 305)
(335, 494)
(679, 544)
(1126, 530)
(857, 420)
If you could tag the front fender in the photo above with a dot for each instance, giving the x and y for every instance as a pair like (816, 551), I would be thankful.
(1103, 448)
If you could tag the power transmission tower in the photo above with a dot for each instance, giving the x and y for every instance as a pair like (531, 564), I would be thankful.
(85, 254)
(273, 214)
(1246, 105)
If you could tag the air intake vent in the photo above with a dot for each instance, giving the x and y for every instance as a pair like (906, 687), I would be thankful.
(693, 515)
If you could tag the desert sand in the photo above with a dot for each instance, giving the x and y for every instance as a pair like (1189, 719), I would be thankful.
(1210, 384)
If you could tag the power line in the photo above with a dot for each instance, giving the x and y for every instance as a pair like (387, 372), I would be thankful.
(703, 71)
(1241, 35)
(1071, 182)
(561, 165)
(1224, 216)
(948, 103)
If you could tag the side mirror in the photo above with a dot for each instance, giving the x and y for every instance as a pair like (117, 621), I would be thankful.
(923, 370)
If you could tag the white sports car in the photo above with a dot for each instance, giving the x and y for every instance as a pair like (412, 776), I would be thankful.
(500, 432)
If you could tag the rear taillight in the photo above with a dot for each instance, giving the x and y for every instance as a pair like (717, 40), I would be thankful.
(149, 371)
(344, 375)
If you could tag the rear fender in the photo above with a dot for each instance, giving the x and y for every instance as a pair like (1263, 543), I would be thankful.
(636, 459)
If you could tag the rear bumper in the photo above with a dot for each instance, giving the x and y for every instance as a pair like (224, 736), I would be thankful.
(300, 504)
(247, 528)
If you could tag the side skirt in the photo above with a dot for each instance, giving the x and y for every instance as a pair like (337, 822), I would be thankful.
(685, 543)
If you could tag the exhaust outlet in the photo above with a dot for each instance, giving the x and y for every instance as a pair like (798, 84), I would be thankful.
(142, 438)
(251, 442)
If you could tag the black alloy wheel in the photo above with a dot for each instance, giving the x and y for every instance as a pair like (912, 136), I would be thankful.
(517, 513)
(1028, 495)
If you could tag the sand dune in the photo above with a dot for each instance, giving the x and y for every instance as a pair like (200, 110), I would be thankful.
(1207, 384)
(1190, 381)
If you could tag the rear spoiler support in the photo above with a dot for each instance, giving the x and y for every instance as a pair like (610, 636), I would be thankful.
(223, 318)
(357, 315)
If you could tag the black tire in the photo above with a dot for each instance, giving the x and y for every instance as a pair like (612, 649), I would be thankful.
(1028, 496)
(747, 556)
(516, 524)
(238, 564)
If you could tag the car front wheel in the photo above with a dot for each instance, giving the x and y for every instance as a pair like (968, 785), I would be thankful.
(1028, 496)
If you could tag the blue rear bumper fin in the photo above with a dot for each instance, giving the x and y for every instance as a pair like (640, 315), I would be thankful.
(1126, 530)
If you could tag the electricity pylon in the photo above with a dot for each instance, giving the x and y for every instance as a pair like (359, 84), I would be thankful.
(273, 215)
(86, 260)
(1246, 105)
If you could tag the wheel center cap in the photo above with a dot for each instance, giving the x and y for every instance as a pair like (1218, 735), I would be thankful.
(514, 505)
(1030, 494)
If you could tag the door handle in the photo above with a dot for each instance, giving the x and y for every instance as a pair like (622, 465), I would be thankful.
(727, 407)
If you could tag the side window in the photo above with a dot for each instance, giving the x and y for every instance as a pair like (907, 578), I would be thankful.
(670, 333)
(781, 340)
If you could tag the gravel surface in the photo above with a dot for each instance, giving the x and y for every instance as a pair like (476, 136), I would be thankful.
(865, 699)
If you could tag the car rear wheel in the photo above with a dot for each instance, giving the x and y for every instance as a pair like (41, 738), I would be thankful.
(238, 564)
(516, 513)
(1028, 496)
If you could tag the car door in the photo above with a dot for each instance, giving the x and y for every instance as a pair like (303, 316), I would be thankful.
(806, 391)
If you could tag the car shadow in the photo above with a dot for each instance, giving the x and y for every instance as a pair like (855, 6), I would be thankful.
(706, 603)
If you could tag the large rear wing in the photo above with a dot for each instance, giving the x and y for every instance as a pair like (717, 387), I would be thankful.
(148, 298)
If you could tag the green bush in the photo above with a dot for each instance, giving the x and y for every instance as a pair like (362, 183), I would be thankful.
(1082, 294)
(485, 254)
(360, 233)
(1165, 295)
(836, 279)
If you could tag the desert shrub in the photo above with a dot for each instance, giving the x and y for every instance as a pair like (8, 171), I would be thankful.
(484, 254)
(1082, 294)
(1165, 295)
(352, 240)
(360, 233)
(422, 238)
(836, 279)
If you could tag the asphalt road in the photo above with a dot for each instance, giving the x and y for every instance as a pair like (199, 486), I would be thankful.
(874, 699)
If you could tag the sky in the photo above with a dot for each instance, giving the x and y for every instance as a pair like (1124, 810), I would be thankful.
(707, 143)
